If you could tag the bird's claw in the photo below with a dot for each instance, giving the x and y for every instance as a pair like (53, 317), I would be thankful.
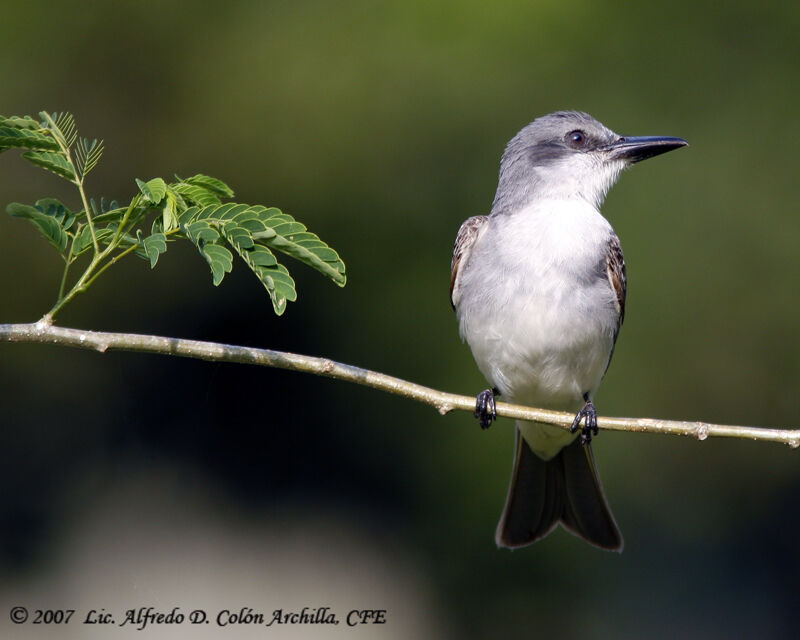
(485, 410)
(587, 415)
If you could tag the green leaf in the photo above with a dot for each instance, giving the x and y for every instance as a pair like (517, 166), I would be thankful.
(275, 277)
(103, 207)
(239, 237)
(194, 194)
(87, 155)
(112, 215)
(201, 232)
(62, 126)
(23, 122)
(253, 232)
(115, 214)
(136, 216)
(47, 225)
(287, 235)
(180, 203)
(192, 208)
(214, 185)
(153, 190)
(152, 247)
(219, 259)
(57, 210)
(54, 162)
(188, 215)
(83, 240)
(13, 138)
(106, 211)
(170, 211)
(218, 214)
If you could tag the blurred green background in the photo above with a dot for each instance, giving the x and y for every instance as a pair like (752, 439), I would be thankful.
(380, 125)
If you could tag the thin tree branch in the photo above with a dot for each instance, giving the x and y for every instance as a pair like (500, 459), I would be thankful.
(45, 332)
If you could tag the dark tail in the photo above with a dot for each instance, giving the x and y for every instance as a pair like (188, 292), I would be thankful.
(565, 490)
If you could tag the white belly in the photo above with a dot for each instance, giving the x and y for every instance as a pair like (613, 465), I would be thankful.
(536, 307)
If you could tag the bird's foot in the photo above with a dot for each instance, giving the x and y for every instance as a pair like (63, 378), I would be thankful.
(484, 408)
(587, 415)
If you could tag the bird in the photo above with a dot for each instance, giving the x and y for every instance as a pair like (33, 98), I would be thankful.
(538, 287)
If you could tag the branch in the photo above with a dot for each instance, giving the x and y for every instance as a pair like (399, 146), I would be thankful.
(45, 332)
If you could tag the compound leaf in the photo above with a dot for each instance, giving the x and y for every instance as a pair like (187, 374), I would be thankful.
(58, 210)
(15, 137)
(87, 155)
(191, 207)
(275, 277)
(219, 259)
(83, 240)
(107, 211)
(48, 225)
(287, 235)
(20, 122)
(169, 214)
(205, 238)
(152, 247)
(218, 187)
(201, 232)
(62, 125)
(253, 232)
(54, 162)
(110, 215)
(276, 230)
(194, 194)
(153, 190)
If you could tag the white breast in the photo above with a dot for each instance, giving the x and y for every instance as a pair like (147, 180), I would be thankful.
(536, 307)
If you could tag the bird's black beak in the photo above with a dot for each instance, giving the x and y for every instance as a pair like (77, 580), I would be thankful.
(638, 148)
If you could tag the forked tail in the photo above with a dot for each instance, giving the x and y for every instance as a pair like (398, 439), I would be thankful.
(565, 490)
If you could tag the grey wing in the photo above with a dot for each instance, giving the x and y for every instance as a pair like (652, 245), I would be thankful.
(465, 239)
(615, 270)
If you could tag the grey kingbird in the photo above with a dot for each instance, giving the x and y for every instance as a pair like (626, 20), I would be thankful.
(538, 287)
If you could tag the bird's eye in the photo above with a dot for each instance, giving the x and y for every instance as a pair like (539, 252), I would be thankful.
(576, 138)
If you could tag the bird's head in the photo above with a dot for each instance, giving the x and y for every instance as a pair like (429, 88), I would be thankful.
(567, 155)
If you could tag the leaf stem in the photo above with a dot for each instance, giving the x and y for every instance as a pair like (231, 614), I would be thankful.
(78, 182)
(79, 286)
(124, 220)
(68, 263)
(92, 272)
(89, 275)
(111, 262)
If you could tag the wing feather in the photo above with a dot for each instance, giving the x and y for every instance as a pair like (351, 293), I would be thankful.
(465, 240)
(617, 278)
